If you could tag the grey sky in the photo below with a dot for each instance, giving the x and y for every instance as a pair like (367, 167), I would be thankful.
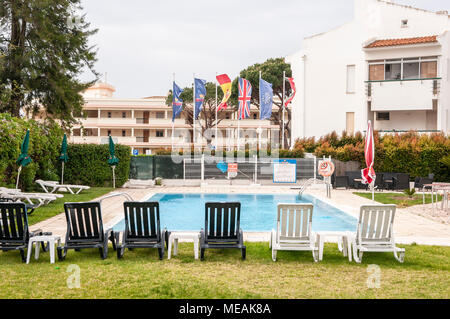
(141, 43)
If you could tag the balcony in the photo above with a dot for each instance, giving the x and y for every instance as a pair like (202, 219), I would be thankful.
(403, 95)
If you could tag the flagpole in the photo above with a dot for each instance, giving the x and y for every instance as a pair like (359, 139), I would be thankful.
(238, 128)
(193, 97)
(284, 90)
(173, 118)
(216, 115)
(259, 128)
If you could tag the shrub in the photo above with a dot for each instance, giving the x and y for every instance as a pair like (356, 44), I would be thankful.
(411, 153)
(88, 165)
(45, 141)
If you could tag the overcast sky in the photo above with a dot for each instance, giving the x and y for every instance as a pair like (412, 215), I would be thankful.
(141, 43)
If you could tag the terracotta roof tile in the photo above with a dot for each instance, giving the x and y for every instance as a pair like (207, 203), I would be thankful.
(405, 41)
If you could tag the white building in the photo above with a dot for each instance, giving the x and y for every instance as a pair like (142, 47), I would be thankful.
(389, 65)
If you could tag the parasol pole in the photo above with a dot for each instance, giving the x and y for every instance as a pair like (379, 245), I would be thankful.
(114, 176)
(62, 173)
(18, 175)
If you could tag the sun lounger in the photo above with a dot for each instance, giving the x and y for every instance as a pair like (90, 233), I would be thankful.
(294, 230)
(375, 232)
(34, 200)
(222, 222)
(142, 228)
(52, 187)
(85, 229)
(14, 231)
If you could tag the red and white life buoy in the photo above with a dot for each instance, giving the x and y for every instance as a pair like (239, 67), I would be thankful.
(326, 168)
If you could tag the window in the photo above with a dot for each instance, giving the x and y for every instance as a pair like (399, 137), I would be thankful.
(124, 115)
(159, 133)
(383, 116)
(350, 122)
(404, 69)
(411, 70)
(404, 23)
(109, 132)
(109, 114)
(376, 72)
(159, 115)
(428, 70)
(124, 133)
(393, 71)
(351, 74)
(255, 116)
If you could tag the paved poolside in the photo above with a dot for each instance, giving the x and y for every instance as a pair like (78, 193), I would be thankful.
(408, 227)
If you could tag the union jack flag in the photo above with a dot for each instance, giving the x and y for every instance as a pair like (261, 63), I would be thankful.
(245, 94)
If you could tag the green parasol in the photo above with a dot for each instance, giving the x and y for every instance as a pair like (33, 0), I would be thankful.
(63, 158)
(24, 159)
(112, 160)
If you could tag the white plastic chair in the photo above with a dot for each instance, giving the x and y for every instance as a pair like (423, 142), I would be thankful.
(294, 230)
(375, 232)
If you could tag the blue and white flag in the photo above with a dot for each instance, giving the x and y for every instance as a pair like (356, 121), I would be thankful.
(266, 99)
(177, 102)
(200, 94)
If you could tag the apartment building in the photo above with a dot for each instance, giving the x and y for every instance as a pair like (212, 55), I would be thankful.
(390, 65)
(145, 124)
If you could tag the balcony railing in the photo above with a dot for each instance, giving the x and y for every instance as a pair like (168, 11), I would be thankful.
(402, 95)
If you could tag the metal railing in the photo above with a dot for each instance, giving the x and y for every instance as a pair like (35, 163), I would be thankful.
(117, 194)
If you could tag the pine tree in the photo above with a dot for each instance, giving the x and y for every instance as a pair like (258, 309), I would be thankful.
(43, 49)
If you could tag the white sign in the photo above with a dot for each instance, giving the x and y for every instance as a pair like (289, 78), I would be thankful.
(285, 171)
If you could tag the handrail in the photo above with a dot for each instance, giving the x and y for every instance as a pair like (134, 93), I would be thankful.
(116, 194)
(402, 80)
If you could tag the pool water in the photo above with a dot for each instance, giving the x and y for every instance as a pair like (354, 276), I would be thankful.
(258, 211)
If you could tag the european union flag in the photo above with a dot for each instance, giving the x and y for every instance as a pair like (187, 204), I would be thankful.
(266, 99)
(200, 94)
(177, 102)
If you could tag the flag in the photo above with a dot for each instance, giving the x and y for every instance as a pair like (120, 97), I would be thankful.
(200, 94)
(265, 99)
(245, 94)
(368, 174)
(225, 84)
(293, 89)
(177, 102)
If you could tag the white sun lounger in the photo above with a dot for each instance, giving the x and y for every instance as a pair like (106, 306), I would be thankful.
(34, 199)
(52, 186)
(294, 224)
(375, 232)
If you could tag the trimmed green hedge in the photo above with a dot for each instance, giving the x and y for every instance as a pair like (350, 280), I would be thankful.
(411, 153)
(45, 142)
(88, 165)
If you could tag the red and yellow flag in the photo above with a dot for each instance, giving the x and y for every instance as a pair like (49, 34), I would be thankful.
(225, 84)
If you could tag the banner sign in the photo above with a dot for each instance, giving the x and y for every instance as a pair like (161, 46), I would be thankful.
(232, 170)
(285, 171)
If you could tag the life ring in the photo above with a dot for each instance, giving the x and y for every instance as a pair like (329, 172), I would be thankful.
(326, 168)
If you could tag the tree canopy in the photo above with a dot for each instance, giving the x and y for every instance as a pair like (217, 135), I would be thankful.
(43, 49)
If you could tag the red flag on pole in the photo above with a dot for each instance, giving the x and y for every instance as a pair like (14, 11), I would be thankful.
(294, 90)
(368, 174)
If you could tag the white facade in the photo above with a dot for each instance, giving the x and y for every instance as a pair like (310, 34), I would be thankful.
(337, 92)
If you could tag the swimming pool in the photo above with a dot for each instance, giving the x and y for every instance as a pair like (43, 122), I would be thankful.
(258, 211)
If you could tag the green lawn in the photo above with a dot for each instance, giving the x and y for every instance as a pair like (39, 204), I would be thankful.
(398, 199)
(57, 207)
(425, 274)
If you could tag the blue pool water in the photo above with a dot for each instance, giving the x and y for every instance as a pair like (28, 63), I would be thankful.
(258, 211)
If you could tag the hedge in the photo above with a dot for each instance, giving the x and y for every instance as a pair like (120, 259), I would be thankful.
(88, 165)
(45, 141)
(417, 155)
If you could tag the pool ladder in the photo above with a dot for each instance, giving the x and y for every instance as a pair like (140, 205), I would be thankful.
(312, 181)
